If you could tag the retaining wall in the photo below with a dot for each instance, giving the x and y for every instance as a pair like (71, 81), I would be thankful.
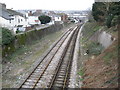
(104, 38)
(28, 37)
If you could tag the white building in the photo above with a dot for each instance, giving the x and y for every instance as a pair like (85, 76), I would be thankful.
(33, 20)
(16, 21)
(4, 16)
(12, 19)
(4, 22)
(55, 18)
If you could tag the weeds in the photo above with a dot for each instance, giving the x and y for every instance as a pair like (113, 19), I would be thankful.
(81, 73)
(111, 55)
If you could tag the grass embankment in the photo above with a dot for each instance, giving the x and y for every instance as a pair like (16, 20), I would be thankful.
(100, 66)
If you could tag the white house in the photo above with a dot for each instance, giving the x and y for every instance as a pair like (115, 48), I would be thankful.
(12, 19)
(4, 23)
(55, 18)
(4, 17)
(33, 20)
(17, 20)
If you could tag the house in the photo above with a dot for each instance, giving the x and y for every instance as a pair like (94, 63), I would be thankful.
(4, 17)
(11, 19)
(37, 13)
(64, 17)
(55, 18)
(33, 20)
(15, 20)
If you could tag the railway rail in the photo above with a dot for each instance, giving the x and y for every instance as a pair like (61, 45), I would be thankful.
(53, 70)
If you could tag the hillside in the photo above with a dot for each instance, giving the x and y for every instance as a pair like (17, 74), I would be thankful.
(102, 72)
(100, 67)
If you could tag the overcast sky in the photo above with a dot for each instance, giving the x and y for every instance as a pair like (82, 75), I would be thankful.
(49, 4)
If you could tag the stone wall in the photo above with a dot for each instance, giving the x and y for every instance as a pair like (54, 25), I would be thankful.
(28, 37)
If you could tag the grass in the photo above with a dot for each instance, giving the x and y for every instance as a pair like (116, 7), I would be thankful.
(81, 73)
(89, 29)
(20, 51)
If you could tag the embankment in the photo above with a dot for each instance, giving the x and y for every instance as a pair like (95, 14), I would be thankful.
(99, 56)
(28, 38)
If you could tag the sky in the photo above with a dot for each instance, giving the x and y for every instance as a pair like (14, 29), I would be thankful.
(49, 4)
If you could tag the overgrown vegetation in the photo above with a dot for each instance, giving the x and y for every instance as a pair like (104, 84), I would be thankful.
(7, 36)
(91, 47)
(94, 48)
(89, 29)
(107, 13)
(81, 73)
(112, 54)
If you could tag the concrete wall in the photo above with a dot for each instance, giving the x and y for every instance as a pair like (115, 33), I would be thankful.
(103, 38)
(28, 37)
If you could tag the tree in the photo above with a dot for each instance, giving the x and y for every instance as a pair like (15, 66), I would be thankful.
(106, 12)
(44, 19)
(98, 11)
(7, 36)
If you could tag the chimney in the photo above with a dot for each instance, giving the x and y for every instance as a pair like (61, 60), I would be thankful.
(2, 5)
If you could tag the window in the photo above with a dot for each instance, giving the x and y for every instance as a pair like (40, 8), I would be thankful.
(18, 20)
(10, 21)
(12, 18)
(11, 15)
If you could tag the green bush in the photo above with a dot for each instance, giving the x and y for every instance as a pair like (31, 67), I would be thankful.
(115, 20)
(44, 19)
(94, 48)
(7, 36)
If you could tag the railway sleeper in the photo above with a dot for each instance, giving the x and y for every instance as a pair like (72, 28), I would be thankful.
(29, 83)
(27, 86)
(31, 80)
(60, 79)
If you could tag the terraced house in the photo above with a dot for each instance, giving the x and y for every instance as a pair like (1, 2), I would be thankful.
(14, 20)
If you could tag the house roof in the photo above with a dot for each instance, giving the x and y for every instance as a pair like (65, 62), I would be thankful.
(37, 14)
(5, 14)
(55, 15)
(12, 12)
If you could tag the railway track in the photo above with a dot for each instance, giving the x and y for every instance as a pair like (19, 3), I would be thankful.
(60, 79)
(54, 68)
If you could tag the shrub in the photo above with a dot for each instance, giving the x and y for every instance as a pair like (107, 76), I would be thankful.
(7, 36)
(44, 19)
(115, 20)
(94, 48)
